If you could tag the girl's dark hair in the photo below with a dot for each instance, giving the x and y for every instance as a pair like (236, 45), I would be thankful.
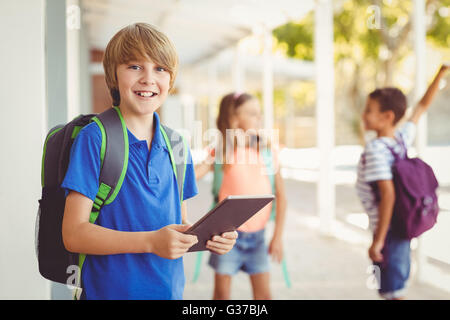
(390, 99)
(227, 108)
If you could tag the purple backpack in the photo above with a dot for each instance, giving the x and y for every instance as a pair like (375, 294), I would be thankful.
(416, 205)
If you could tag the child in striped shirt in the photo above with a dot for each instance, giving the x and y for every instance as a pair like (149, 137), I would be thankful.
(384, 109)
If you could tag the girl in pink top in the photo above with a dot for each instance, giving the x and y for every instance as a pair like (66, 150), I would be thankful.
(245, 172)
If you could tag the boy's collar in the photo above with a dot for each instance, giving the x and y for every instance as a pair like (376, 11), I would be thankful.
(157, 139)
(390, 140)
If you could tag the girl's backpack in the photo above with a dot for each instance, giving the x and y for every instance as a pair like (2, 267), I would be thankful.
(416, 203)
(55, 262)
(218, 177)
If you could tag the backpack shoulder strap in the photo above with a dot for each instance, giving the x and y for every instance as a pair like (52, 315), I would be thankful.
(404, 150)
(114, 162)
(178, 155)
(113, 165)
(217, 182)
(113, 155)
(268, 161)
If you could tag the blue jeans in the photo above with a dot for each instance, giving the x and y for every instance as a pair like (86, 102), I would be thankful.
(249, 254)
(395, 267)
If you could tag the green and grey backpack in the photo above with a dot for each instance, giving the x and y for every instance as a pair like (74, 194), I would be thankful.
(55, 262)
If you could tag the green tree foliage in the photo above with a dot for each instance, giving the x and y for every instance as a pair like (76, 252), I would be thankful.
(298, 37)
(351, 28)
(372, 36)
(439, 31)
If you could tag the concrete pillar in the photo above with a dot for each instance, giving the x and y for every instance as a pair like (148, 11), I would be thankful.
(237, 70)
(420, 83)
(289, 120)
(324, 64)
(63, 77)
(73, 26)
(56, 61)
(24, 125)
(212, 94)
(188, 104)
(267, 79)
(85, 74)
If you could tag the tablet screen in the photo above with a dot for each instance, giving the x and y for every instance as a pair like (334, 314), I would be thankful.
(227, 215)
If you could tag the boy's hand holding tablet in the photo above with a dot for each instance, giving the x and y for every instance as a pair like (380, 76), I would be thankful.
(215, 231)
(223, 243)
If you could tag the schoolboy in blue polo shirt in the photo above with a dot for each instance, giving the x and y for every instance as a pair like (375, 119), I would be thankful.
(134, 250)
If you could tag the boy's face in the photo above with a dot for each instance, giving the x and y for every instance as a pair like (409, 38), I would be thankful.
(374, 118)
(143, 86)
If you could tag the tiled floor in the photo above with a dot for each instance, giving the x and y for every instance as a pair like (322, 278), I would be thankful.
(320, 267)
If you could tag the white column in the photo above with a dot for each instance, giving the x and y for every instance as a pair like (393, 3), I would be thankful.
(237, 70)
(420, 82)
(323, 51)
(187, 99)
(56, 61)
(73, 25)
(212, 94)
(189, 110)
(22, 133)
(267, 80)
(85, 72)
(420, 79)
(290, 120)
(62, 66)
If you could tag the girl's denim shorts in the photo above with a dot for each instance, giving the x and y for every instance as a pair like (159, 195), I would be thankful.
(249, 254)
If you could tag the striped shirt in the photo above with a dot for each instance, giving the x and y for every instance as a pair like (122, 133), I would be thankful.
(376, 164)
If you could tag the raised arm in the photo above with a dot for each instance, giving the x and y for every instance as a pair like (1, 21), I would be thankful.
(427, 98)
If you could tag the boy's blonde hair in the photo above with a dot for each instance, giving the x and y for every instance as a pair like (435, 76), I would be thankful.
(138, 41)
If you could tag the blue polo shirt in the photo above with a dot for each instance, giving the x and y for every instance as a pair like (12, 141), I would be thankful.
(148, 200)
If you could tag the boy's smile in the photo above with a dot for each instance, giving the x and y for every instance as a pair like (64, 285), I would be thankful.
(145, 94)
(143, 86)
